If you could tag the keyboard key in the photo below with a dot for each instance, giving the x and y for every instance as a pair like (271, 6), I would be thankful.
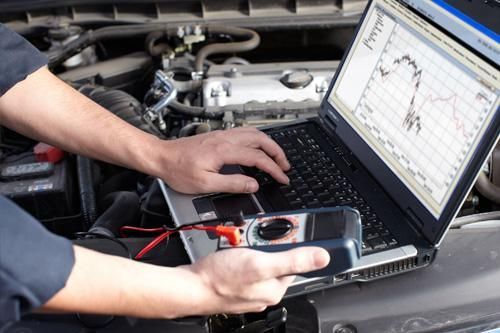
(378, 244)
(303, 188)
(286, 189)
(323, 196)
(307, 173)
(337, 192)
(391, 241)
(299, 164)
(297, 181)
(366, 248)
(315, 203)
(383, 231)
(308, 196)
(318, 187)
(330, 203)
(366, 224)
(369, 234)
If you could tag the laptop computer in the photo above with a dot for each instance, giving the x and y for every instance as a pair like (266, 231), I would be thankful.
(410, 117)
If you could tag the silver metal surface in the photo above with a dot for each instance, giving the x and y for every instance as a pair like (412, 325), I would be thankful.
(240, 84)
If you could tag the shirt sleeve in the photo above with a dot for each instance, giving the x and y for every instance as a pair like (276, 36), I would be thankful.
(34, 263)
(18, 59)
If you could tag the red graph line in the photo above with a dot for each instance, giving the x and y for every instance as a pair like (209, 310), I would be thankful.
(413, 116)
(452, 100)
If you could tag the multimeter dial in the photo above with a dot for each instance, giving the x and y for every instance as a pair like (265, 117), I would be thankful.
(274, 229)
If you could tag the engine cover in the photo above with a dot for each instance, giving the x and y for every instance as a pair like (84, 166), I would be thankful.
(271, 82)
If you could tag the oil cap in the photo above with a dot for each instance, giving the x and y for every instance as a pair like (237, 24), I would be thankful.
(297, 79)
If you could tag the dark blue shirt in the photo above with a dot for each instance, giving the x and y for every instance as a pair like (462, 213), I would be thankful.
(34, 264)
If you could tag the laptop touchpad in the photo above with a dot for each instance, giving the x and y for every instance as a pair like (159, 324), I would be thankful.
(234, 204)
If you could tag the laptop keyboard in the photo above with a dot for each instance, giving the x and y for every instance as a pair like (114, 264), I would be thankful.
(316, 181)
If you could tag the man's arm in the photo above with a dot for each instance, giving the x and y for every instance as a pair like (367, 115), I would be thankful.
(45, 108)
(104, 284)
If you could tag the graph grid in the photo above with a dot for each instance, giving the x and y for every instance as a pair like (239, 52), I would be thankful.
(424, 110)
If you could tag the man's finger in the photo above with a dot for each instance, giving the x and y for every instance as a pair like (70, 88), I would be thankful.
(255, 158)
(257, 139)
(292, 262)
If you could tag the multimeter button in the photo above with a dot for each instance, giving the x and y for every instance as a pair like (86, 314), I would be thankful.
(274, 229)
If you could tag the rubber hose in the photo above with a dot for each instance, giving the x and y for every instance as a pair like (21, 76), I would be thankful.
(253, 40)
(194, 111)
(87, 193)
(154, 49)
(121, 209)
(122, 105)
(470, 219)
(58, 56)
(488, 189)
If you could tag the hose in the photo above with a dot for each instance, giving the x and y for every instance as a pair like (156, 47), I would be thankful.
(253, 40)
(470, 219)
(122, 105)
(121, 209)
(489, 190)
(58, 56)
(154, 49)
(87, 193)
(195, 111)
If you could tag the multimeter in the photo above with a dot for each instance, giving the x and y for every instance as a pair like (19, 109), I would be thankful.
(338, 230)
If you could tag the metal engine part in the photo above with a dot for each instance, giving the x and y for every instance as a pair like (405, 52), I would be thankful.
(270, 83)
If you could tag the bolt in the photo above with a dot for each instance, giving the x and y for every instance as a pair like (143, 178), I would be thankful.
(197, 30)
(180, 32)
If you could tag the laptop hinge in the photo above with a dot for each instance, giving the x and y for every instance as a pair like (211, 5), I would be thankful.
(328, 123)
(414, 220)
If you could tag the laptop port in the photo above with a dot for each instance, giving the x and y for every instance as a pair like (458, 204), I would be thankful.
(340, 277)
(355, 275)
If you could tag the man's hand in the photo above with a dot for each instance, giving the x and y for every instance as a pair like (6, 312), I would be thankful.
(192, 165)
(229, 281)
(244, 280)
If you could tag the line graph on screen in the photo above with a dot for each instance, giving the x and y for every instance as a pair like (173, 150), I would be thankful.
(423, 109)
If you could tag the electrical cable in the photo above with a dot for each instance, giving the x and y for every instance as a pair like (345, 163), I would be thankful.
(230, 232)
(81, 235)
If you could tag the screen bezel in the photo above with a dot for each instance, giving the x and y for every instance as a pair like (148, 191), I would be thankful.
(432, 228)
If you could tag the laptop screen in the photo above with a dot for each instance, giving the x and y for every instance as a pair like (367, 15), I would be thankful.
(417, 97)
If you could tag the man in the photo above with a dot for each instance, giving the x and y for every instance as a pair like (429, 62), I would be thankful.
(42, 271)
